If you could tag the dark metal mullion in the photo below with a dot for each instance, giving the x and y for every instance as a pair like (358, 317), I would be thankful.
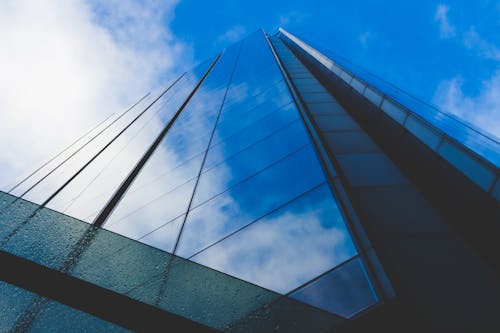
(118, 195)
(206, 151)
(83, 146)
(53, 195)
(60, 153)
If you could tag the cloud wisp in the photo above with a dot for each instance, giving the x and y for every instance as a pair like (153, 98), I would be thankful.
(473, 41)
(446, 29)
(232, 35)
(481, 110)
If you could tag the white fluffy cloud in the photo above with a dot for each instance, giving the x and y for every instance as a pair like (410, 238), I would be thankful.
(68, 64)
(482, 110)
(473, 41)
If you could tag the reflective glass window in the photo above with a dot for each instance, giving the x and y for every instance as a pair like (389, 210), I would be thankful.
(288, 247)
(345, 291)
(251, 199)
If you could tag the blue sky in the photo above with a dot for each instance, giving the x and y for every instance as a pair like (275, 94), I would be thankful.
(447, 53)
(66, 65)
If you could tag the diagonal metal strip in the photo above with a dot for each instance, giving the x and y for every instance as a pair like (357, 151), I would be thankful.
(122, 189)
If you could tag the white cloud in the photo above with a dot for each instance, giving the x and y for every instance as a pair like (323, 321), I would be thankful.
(283, 250)
(364, 37)
(482, 110)
(472, 40)
(232, 35)
(290, 17)
(67, 64)
(446, 29)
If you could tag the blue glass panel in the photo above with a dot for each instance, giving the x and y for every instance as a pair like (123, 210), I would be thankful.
(345, 291)
(370, 169)
(260, 155)
(288, 247)
(13, 302)
(250, 200)
(164, 188)
(422, 131)
(147, 213)
(244, 118)
(17, 313)
(164, 236)
(255, 132)
(107, 171)
(470, 166)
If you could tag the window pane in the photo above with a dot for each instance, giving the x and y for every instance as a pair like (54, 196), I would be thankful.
(287, 247)
(344, 291)
(237, 167)
(250, 200)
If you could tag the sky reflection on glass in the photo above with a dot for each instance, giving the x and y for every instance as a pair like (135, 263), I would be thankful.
(288, 247)
(261, 209)
(345, 291)
(157, 201)
(235, 185)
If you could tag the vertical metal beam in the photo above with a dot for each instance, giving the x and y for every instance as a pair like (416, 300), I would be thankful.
(122, 189)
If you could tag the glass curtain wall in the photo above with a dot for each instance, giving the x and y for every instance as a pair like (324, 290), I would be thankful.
(235, 185)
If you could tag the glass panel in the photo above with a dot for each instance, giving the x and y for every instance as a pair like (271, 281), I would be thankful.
(111, 166)
(336, 123)
(373, 96)
(350, 142)
(250, 200)
(254, 133)
(287, 315)
(244, 120)
(59, 174)
(19, 313)
(163, 189)
(358, 85)
(13, 303)
(107, 172)
(133, 269)
(249, 95)
(326, 109)
(91, 142)
(164, 236)
(370, 170)
(471, 167)
(394, 111)
(314, 98)
(288, 247)
(344, 291)
(428, 136)
(261, 155)
(147, 216)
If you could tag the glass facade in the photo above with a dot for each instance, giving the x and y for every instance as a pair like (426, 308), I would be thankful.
(236, 182)
(235, 185)
(238, 220)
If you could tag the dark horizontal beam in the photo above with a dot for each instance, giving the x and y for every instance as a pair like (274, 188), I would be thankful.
(82, 295)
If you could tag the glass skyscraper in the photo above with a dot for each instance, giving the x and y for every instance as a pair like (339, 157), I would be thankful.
(275, 187)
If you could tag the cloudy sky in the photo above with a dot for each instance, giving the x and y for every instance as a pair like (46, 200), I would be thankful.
(66, 65)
